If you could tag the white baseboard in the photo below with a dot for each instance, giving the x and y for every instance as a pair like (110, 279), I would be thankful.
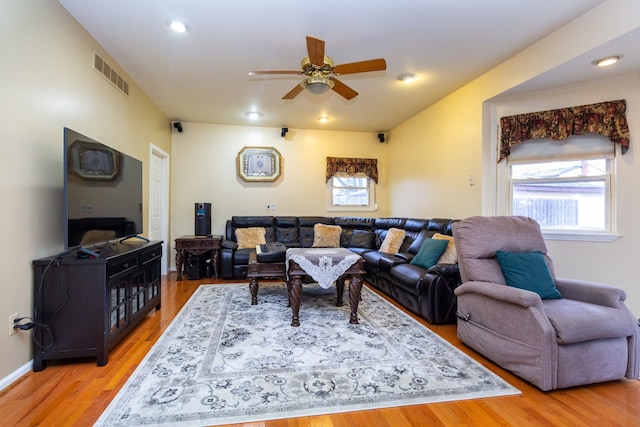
(15, 375)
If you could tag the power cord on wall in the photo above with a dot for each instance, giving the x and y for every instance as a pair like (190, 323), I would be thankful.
(24, 326)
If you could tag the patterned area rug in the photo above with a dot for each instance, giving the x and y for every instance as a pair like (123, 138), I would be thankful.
(225, 361)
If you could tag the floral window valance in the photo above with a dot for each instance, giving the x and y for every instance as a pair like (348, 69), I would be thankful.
(352, 166)
(605, 118)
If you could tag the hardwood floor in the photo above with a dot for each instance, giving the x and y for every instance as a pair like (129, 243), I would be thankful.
(75, 392)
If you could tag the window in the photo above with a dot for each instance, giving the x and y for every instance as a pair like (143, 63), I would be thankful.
(565, 196)
(350, 192)
(567, 186)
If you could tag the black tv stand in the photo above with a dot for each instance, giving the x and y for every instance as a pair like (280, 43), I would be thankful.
(83, 306)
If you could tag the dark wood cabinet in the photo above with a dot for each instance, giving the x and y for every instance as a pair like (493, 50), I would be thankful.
(84, 305)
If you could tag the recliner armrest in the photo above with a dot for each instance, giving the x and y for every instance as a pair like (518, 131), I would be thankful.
(229, 244)
(594, 293)
(445, 269)
(503, 293)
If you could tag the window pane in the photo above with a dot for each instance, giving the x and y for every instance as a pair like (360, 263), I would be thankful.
(350, 191)
(570, 169)
(562, 205)
(350, 182)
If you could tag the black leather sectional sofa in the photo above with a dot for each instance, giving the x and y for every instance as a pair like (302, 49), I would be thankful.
(426, 292)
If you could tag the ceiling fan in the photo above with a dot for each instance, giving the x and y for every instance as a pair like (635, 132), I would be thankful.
(321, 73)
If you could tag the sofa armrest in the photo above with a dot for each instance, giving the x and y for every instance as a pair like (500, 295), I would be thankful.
(594, 293)
(445, 269)
(229, 244)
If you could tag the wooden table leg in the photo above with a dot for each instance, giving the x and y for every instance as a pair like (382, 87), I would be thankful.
(355, 288)
(340, 291)
(253, 287)
(295, 298)
(179, 263)
(215, 259)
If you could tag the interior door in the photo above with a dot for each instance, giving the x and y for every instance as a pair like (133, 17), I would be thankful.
(159, 201)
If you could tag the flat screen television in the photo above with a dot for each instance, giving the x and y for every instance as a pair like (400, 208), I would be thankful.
(102, 192)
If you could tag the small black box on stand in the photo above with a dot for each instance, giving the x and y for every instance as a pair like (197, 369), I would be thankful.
(196, 267)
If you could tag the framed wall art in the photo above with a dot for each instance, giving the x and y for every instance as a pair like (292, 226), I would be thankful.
(259, 164)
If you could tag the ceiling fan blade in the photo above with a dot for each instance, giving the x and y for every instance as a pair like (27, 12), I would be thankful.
(361, 67)
(294, 92)
(315, 49)
(343, 89)
(251, 73)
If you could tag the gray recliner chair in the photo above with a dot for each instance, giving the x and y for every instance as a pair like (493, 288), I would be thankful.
(586, 336)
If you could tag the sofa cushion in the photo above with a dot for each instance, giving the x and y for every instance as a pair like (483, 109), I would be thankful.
(430, 252)
(249, 237)
(392, 241)
(326, 236)
(408, 276)
(529, 271)
(362, 239)
(449, 256)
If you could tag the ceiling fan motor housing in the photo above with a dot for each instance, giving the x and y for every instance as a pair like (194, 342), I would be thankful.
(308, 68)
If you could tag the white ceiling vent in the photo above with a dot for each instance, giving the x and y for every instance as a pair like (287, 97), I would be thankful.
(110, 74)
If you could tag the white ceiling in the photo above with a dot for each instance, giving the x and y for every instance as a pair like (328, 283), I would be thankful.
(202, 75)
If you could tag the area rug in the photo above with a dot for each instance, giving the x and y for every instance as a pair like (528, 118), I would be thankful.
(223, 360)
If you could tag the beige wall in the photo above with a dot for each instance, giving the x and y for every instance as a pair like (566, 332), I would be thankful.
(48, 83)
(611, 262)
(433, 153)
(424, 169)
(204, 170)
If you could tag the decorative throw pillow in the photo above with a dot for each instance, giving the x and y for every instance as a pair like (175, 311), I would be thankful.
(450, 255)
(392, 241)
(529, 271)
(429, 253)
(250, 237)
(326, 236)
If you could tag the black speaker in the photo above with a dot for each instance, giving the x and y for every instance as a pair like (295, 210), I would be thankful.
(196, 267)
(203, 219)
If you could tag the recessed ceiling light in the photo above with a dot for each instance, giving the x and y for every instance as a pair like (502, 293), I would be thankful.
(178, 26)
(609, 60)
(407, 77)
(323, 119)
(253, 115)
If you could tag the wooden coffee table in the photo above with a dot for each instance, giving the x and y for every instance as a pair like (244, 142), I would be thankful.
(297, 273)
(263, 270)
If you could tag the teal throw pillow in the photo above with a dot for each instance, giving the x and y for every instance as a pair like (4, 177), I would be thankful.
(429, 253)
(529, 271)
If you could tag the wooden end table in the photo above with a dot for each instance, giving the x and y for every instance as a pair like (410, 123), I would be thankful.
(187, 246)
(258, 270)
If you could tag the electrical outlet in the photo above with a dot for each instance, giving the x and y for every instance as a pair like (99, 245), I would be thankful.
(12, 322)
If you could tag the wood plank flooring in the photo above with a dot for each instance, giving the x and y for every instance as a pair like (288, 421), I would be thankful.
(75, 392)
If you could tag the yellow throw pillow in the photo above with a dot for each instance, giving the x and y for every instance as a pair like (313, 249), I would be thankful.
(450, 256)
(250, 237)
(326, 236)
(392, 241)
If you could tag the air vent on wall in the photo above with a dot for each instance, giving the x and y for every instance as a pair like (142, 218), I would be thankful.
(110, 74)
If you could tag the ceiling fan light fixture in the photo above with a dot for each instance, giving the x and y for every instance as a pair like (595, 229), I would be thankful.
(317, 85)
(323, 119)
